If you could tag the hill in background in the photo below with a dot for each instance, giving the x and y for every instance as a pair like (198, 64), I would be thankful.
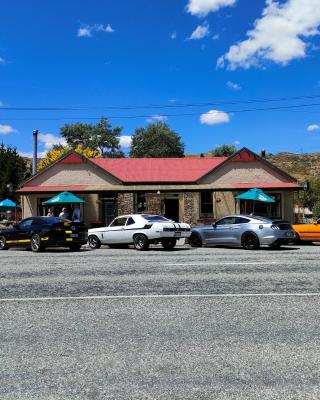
(300, 166)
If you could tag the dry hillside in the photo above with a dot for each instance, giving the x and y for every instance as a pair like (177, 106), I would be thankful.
(301, 166)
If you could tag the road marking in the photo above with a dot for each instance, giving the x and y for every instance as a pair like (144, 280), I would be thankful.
(221, 262)
(156, 296)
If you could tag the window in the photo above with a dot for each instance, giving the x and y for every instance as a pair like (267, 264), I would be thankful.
(271, 210)
(130, 221)
(140, 203)
(227, 221)
(206, 204)
(155, 218)
(118, 222)
(26, 224)
(240, 220)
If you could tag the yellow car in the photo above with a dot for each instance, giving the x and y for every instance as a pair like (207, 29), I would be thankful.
(308, 232)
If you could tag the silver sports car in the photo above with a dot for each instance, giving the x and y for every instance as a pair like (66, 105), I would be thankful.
(248, 231)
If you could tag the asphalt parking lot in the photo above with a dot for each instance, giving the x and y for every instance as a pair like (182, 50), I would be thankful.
(211, 323)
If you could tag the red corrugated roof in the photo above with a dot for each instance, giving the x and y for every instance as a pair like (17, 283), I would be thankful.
(266, 185)
(147, 170)
(75, 188)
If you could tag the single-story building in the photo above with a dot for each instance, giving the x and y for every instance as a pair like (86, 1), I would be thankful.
(194, 190)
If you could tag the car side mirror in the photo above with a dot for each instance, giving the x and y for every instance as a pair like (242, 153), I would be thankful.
(214, 225)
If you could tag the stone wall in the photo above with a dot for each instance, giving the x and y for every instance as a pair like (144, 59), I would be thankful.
(191, 208)
(153, 201)
(125, 203)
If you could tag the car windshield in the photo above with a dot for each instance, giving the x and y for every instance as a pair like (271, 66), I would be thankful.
(53, 220)
(154, 218)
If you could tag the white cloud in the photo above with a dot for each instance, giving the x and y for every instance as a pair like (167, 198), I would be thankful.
(26, 154)
(280, 35)
(214, 117)
(87, 30)
(201, 8)
(233, 85)
(49, 139)
(156, 118)
(84, 32)
(125, 141)
(6, 129)
(236, 142)
(2, 60)
(200, 32)
(2, 104)
(313, 127)
(216, 36)
(173, 35)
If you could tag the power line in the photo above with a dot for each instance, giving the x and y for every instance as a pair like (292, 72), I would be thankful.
(168, 115)
(159, 106)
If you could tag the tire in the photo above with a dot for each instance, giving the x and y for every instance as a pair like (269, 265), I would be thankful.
(94, 242)
(195, 240)
(140, 242)
(75, 247)
(36, 245)
(168, 244)
(3, 244)
(250, 241)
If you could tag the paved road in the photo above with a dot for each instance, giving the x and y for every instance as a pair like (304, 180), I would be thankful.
(204, 327)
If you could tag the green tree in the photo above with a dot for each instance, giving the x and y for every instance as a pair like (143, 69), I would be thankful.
(225, 150)
(13, 170)
(311, 197)
(100, 136)
(156, 141)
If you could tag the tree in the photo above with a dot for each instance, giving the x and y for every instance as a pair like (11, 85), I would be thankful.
(225, 150)
(13, 170)
(101, 137)
(156, 141)
(311, 197)
(58, 150)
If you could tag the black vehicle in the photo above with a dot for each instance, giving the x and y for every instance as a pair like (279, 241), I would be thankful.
(38, 233)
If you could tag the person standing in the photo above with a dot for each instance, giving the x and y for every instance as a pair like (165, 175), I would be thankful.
(76, 215)
(64, 214)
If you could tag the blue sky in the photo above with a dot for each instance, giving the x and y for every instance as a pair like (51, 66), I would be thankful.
(95, 54)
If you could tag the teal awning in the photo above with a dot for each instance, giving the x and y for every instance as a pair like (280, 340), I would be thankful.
(63, 198)
(255, 195)
(7, 204)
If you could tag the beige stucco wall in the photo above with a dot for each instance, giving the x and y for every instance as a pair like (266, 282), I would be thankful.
(244, 172)
(73, 174)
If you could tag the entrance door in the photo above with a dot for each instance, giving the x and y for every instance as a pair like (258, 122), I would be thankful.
(108, 209)
(171, 209)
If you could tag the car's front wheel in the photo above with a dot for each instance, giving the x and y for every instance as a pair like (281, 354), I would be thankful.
(36, 244)
(3, 243)
(250, 241)
(168, 244)
(140, 242)
(195, 240)
(94, 242)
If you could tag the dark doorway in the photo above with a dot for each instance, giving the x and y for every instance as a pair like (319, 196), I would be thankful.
(108, 208)
(171, 209)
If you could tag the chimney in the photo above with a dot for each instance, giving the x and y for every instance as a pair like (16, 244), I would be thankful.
(35, 152)
(263, 154)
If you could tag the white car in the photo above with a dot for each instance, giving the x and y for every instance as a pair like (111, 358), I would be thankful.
(141, 230)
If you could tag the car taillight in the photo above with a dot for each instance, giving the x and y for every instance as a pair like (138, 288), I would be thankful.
(275, 227)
